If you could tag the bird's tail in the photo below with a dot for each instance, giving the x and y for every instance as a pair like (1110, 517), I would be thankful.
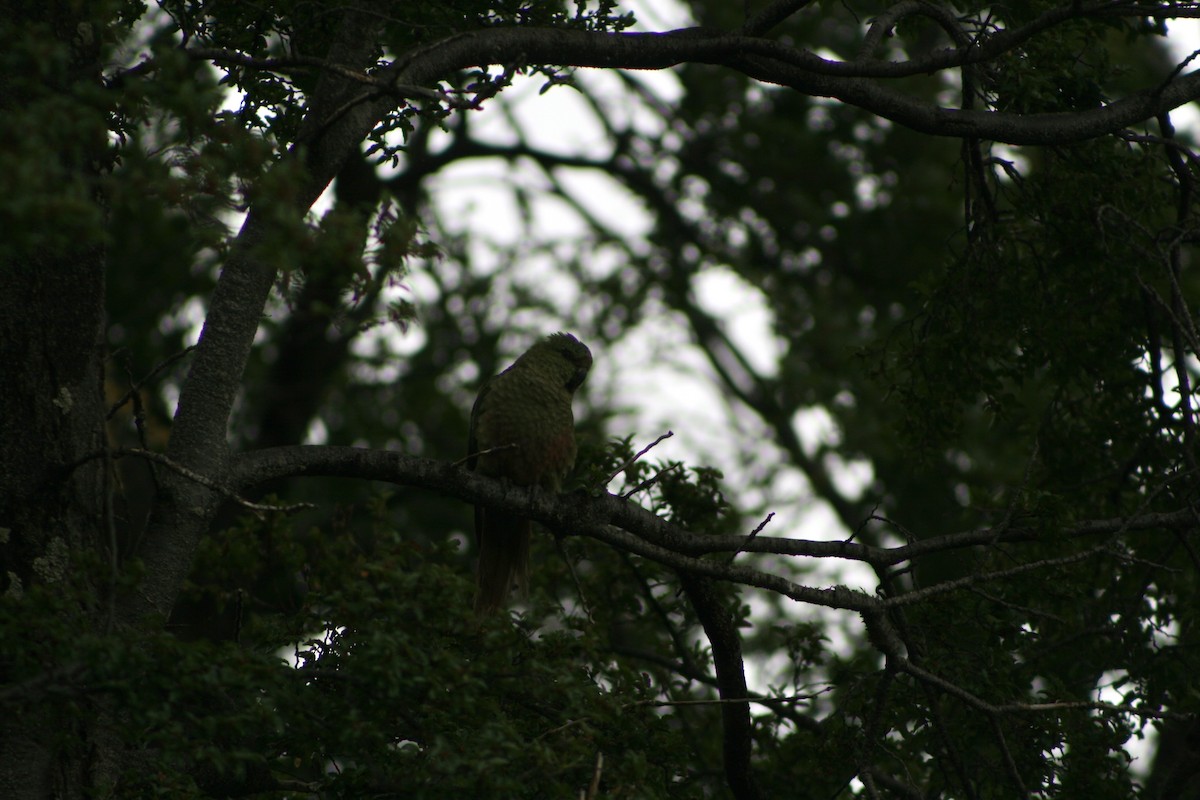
(503, 559)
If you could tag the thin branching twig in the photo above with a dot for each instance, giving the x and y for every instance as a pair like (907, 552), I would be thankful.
(636, 456)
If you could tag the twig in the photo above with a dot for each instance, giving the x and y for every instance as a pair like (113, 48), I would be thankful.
(1033, 708)
(594, 787)
(920, 595)
(1011, 512)
(638, 455)
(562, 551)
(1147, 138)
(137, 387)
(305, 63)
(969, 580)
(909, 536)
(1144, 562)
(192, 475)
(752, 534)
(1071, 705)
(862, 525)
(691, 669)
(486, 452)
(646, 484)
(1010, 763)
(1015, 606)
(762, 701)
(716, 701)
(1180, 67)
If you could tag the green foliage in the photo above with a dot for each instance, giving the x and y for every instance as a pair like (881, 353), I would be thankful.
(359, 689)
(691, 497)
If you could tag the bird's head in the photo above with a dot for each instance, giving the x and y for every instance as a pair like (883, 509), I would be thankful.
(568, 357)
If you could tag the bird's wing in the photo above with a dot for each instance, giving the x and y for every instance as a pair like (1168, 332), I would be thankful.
(472, 437)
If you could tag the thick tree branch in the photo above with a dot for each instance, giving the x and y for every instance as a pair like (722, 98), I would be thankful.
(185, 507)
(777, 63)
(736, 726)
(855, 81)
(631, 528)
(608, 518)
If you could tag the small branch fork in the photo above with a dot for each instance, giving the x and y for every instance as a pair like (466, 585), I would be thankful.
(472, 457)
(154, 373)
(636, 456)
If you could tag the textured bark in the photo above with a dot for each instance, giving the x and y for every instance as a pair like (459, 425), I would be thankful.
(51, 407)
(53, 416)
(335, 123)
(736, 726)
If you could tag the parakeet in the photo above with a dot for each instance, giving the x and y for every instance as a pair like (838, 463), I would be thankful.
(522, 430)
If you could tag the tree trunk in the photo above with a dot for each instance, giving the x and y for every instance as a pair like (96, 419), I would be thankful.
(52, 475)
(52, 489)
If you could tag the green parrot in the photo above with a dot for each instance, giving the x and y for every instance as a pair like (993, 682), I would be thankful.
(522, 430)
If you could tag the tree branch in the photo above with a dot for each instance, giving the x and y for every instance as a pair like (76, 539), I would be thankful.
(184, 507)
(726, 645)
(607, 518)
(777, 63)
(292, 64)
(631, 528)
(605, 510)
